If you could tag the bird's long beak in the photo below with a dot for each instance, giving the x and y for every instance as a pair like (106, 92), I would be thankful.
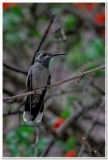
(53, 55)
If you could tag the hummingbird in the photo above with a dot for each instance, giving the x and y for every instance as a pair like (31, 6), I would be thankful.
(38, 77)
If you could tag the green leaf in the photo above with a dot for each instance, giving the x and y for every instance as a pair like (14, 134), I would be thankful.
(98, 44)
(43, 19)
(66, 113)
(11, 20)
(91, 67)
(36, 33)
(18, 141)
(70, 22)
(17, 10)
(43, 142)
(96, 49)
(71, 143)
(100, 73)
(76, 56)
(14, 37)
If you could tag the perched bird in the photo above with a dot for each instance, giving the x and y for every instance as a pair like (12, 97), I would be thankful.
(38, 77)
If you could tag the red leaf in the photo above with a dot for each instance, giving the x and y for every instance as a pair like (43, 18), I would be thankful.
(71, 153)
(91, 6)
(8, 5)
(85, 6)
(100, 18)
(58, 122)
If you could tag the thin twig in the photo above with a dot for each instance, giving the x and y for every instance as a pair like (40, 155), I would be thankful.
(38, 48)
(12, 113)
(60, 31)
(43, 39)
(51, 143)
(90, 149)
(87, 145)
(14, 69)
(97, 88)
(56, 84)
(37, 137)
(85, 67)
(91, 128)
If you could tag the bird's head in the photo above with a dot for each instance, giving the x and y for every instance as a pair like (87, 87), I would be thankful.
(45, 57)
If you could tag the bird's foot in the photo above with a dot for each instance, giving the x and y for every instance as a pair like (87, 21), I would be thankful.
(38, 91)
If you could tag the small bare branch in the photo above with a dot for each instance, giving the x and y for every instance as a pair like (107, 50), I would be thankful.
(90, 149)
(14, 69)
(43, 38)
(56, 84)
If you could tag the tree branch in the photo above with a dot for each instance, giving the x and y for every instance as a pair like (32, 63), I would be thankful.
(90, 130)
(43, 39)
(93, 153)
(51, 143)
(14, 69)
(57, 83)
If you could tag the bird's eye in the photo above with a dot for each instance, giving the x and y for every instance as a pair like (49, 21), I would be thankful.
(44, 55)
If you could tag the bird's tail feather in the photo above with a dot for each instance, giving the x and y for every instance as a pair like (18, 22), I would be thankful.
(35, 112)
(40, 114)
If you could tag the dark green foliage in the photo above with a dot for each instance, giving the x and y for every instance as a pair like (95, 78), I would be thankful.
(71, 143)
(70, 22)
(18, 142)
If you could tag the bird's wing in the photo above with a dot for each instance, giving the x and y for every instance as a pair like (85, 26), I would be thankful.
(29, 80)
(40, 113)
(27, 110)
(34, 103)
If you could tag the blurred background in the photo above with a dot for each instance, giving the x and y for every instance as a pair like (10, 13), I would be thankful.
(73, 124)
